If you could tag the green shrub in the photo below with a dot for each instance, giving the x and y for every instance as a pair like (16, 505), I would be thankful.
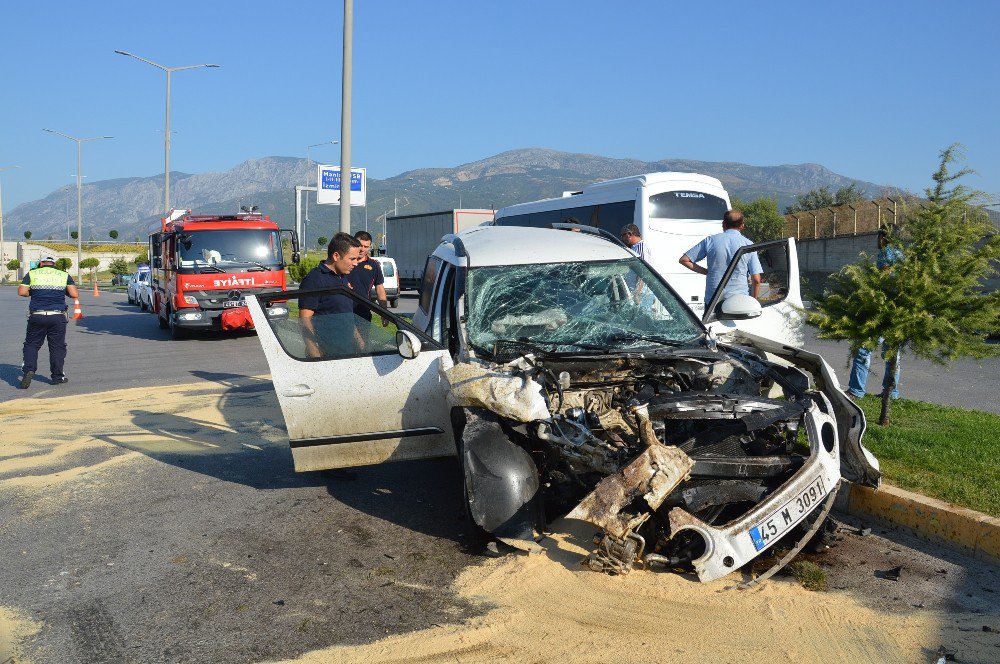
(299, 271)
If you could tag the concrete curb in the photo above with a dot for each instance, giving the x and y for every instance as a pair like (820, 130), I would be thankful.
(974, 533)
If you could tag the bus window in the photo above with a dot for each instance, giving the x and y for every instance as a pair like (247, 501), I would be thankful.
(687, 205)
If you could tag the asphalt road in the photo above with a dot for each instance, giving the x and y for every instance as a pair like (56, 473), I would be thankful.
(206, 546)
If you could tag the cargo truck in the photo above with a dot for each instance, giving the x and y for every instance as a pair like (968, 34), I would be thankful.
(411, 238)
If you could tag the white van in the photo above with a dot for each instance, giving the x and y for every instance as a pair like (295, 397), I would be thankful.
(674, 211)
(391, 284)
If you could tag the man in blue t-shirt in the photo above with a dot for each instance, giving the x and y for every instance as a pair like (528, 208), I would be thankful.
(888, 256)
(47, 287)
(343, 253)
(718, 251)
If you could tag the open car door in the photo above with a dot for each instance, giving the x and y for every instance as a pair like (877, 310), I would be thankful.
(348, 396)
(778, 313)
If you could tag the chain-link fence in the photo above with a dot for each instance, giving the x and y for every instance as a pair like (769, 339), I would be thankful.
(862, 217)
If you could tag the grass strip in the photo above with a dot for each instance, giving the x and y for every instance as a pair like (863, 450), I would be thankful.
(939, 451)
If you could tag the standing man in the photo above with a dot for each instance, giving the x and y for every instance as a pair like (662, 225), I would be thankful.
(719, 250)
(342, 255)
(888, 255)
(366, 275)
(630, 236)
(47, 287)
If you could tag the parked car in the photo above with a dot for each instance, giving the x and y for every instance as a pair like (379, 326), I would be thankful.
(571, 380)
(391, 285)
(138, 288)
(121, 280)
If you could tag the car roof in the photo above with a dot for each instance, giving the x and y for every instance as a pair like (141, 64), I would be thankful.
(520, 245)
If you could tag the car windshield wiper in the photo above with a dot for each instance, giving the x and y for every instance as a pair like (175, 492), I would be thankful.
(509, 349)
(650, 338)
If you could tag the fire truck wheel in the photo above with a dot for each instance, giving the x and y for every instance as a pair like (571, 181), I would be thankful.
(176, 332)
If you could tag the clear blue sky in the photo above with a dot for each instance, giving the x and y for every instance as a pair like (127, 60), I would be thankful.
(871, 90)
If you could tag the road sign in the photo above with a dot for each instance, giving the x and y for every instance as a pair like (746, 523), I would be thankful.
(328, 192)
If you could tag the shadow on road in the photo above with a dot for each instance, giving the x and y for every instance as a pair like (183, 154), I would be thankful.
(248, 445)
(122, 326)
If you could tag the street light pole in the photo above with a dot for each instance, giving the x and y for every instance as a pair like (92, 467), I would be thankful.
(308, 173)
(3, 264)
(79, 191)
(345, 120)
(166, 133)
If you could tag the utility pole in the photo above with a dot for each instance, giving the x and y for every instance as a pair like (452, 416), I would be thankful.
(345, 121)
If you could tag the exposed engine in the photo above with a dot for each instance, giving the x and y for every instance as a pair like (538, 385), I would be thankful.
(631, 438)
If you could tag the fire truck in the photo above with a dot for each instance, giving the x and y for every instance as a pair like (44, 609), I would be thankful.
(203, 266)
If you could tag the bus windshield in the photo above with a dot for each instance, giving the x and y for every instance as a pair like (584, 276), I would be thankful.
(687, 205)
(255, 248)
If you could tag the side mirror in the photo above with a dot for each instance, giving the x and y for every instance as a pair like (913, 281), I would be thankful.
(408, 344)
(296, 257)
(740, 307)
(157, 262)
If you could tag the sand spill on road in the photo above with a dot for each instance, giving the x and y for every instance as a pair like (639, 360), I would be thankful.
(546, 608)
(50, 442)
(15, 627)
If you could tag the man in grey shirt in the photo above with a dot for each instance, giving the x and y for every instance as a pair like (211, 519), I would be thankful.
(719, 250)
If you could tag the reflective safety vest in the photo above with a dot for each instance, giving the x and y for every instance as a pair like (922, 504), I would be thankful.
(48, 278)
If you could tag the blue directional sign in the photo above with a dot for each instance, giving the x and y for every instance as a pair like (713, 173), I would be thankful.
(328, 192)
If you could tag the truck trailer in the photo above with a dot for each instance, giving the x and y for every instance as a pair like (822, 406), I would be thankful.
(411, 238)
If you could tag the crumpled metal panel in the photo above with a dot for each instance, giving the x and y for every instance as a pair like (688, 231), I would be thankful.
(515, 397)
(652, 475)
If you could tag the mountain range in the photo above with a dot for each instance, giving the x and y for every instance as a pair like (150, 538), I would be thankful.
(133, 205)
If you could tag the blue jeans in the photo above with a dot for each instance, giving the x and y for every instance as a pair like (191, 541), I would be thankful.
(859, 373)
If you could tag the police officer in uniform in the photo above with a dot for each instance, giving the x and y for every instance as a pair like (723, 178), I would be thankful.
(47, 287)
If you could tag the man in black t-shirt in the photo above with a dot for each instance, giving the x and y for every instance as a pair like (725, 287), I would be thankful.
(368, 275)
(343, 254)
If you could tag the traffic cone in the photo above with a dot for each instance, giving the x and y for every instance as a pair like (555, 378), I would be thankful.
(97, 293)
(77, 312)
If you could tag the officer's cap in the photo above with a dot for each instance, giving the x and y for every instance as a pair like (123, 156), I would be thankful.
(47, 259)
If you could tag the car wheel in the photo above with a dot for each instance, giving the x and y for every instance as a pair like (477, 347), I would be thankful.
(394, 303)
(164, 324)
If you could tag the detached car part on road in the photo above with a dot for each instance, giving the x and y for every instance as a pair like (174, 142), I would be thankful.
(571, 380)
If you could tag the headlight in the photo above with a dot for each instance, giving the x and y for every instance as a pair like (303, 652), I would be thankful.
(190, 299)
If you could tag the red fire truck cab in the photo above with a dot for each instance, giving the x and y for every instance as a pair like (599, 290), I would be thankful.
(203, 266)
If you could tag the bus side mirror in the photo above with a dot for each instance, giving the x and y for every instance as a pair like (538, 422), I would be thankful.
(295, 257)
(157, 262)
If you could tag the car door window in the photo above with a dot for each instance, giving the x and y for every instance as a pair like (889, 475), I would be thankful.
(775, 277)
(343, 325)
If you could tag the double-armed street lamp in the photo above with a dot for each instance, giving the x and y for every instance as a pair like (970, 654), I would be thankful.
(3, 265)
(166, 132)
(79, 190)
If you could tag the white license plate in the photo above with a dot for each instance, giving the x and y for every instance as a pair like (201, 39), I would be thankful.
(771, 529)
(233, 303)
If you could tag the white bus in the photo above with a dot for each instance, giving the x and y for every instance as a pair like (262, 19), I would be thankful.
(673, 211)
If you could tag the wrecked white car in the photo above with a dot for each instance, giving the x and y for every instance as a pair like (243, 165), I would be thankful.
(571, 380)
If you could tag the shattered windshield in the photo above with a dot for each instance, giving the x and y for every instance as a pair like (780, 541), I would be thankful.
(255, 248)
(567, 307)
